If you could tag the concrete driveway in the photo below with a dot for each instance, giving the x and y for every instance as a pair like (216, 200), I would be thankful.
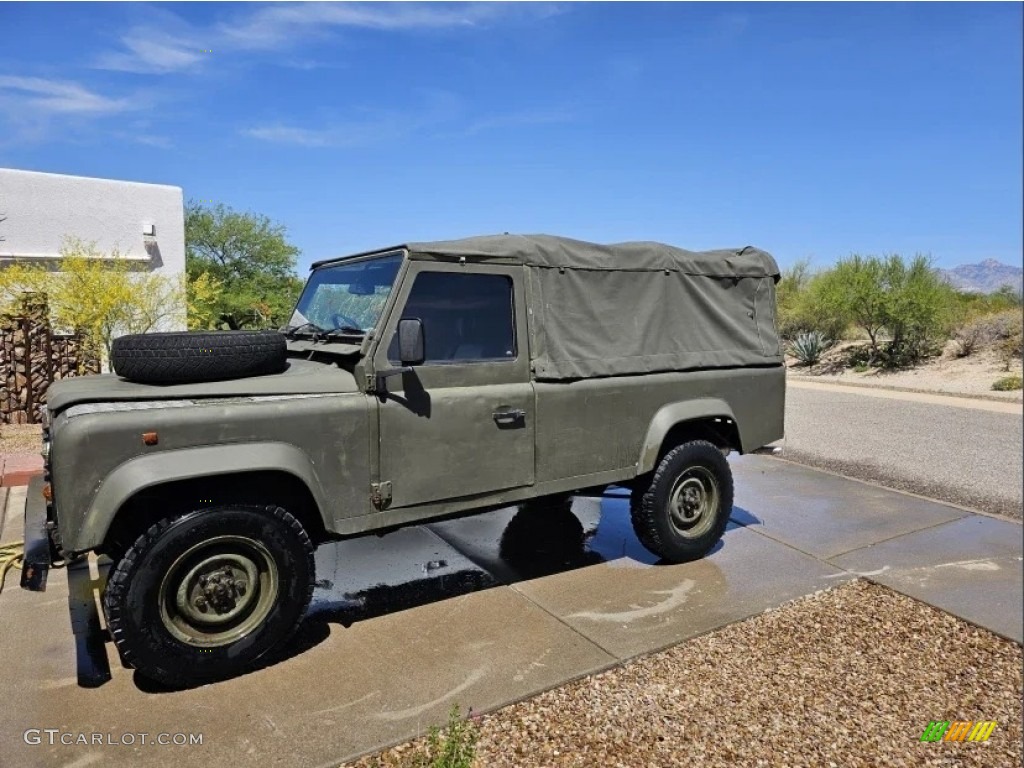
(483, 611)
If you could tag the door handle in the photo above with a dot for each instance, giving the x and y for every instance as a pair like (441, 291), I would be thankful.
(510, 416)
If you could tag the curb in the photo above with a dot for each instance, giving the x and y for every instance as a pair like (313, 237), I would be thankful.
(912, 390)
(19, 468)
(19, 477)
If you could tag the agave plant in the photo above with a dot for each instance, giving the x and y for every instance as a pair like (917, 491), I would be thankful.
(809, 347)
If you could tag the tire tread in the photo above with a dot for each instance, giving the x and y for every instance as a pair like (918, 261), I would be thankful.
(644, 508)
(178, 358)
(114, 596)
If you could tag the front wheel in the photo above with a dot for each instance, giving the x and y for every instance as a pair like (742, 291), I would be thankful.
(206, 595)
(683, 510)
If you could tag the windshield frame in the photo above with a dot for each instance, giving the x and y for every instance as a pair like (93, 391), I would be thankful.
(349, 337)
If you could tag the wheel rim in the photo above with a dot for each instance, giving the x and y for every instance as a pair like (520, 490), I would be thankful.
(218, 591)
(694, 502)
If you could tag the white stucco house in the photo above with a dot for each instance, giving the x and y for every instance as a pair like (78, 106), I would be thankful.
(141, 222)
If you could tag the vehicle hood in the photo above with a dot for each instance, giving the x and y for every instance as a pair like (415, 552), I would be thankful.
(301, 377)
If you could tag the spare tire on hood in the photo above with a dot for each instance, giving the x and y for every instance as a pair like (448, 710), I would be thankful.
(187, 357)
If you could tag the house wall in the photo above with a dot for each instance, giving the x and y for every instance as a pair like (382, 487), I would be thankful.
(42, 209)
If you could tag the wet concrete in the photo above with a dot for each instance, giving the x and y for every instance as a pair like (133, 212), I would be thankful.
(485, 610)
(971, 567)
(629, 608)
(826, 519)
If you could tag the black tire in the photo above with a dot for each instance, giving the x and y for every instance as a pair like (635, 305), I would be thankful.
(663, 526)
(143, 597)
(179, 358)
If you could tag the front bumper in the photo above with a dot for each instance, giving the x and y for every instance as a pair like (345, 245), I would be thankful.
(40, 553)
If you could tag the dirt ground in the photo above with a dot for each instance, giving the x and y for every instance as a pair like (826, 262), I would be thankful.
(972, 375)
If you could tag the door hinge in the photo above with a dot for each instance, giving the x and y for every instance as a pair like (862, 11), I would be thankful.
(380, 494)
(371, 384)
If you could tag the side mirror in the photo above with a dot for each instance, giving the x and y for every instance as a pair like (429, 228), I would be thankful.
(411, 344)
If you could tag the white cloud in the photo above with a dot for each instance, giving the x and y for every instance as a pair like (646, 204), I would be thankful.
(442, 114)
(172, 45)
(148, 53)
(523, 118)
(303, 137)
(57, 97)
(366, 126)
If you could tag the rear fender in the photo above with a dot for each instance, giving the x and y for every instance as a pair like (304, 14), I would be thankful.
(668, 416)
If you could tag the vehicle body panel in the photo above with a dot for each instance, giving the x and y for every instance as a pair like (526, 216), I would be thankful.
(439, 436)
(99, 459)
(376, 453)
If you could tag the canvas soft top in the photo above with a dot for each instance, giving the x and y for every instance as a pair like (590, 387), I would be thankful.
(561, 252)
(632, 308)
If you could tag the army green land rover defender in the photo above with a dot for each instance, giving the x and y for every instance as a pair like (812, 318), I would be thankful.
(415, 382)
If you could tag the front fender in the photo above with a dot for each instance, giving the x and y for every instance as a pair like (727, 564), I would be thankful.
(185, 464)
(676, 413)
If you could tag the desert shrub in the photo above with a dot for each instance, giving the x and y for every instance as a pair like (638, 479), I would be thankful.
(1011, 339)
(970, 337)
(452, 747)
(918, 311)
(792, 284)
(1002, 329)
(903, 307)
(808, 311)
(808, 347)
(860, 356)
(969, 305)
(907, 352)
(1008, 383)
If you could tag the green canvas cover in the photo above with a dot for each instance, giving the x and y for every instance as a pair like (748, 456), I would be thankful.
(630, 308)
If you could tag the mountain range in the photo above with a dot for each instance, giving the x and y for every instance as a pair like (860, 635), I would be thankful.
(986, 277)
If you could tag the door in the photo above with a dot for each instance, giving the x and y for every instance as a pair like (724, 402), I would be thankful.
(462, 423)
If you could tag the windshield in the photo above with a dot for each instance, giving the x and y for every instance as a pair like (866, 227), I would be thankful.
(346, 297)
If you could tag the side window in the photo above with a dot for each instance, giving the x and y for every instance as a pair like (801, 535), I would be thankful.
(466, 318)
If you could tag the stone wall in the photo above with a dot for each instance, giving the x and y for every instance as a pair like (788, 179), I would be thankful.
(31, 358)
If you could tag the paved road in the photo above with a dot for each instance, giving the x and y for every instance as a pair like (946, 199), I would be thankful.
(962, 451)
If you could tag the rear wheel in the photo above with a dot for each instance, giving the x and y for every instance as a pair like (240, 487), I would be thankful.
(208, 594)
(681, 513)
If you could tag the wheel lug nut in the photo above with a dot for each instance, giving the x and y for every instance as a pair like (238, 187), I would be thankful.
(240, 587)
(200, 603)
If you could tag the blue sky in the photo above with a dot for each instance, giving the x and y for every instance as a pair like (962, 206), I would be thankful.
(808, 130)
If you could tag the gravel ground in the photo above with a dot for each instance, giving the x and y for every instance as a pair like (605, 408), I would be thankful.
(847, 677)
(969, 457)
(21, 438)
(948, 374)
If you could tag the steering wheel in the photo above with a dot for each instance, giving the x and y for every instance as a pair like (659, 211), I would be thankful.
(340, 318)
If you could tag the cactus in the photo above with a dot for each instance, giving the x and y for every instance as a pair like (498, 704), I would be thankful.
(809, 347)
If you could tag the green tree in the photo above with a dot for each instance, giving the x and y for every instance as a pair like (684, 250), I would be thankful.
(250, 258)
(853, 289)
(919, 308)
(905, 301)
(801, 307)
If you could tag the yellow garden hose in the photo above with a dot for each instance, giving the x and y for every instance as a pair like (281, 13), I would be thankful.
(11, 556)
